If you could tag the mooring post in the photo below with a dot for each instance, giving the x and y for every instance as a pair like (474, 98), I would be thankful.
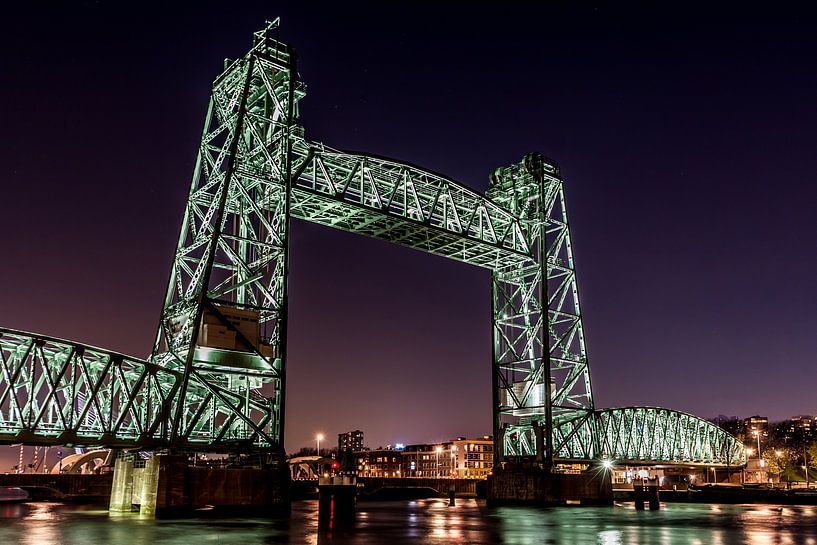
(652, 494)
(337, 498)
(646, 490)
(638, 495)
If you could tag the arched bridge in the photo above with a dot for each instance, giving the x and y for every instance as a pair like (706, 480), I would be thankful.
(650, 435)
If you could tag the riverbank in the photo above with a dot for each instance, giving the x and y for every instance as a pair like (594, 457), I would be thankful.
(726, 494)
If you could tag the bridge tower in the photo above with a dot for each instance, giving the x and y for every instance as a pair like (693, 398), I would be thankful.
(223, 323)
(543, 403)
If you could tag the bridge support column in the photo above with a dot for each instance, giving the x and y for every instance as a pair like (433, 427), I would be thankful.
(168, 486)
(647, 491)
(163, 486)
(122, 487)
(528, 484)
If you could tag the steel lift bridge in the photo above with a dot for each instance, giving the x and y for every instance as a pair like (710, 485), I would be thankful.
(216, 377)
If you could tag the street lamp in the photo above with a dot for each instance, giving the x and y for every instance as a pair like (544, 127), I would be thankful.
(318, 438)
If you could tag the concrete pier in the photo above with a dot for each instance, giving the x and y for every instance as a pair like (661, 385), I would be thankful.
(122, 487)
(646, 491)
(167, 485)
(531, 484)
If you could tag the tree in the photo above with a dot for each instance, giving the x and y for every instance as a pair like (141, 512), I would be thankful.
(812, 455)
(305, 451)
(776, 460)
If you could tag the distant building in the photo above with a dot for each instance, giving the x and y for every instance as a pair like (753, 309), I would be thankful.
(350, 440)
(729, 424)
(473, 458)
(379, 463)
(800, 429)
(460, 458)
(755, 428)
(420, 460)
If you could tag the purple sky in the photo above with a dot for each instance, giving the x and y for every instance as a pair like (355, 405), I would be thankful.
(688, 143)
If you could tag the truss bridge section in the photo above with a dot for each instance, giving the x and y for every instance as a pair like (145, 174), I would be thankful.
(216, 376)
(57, 392)
(405, 204)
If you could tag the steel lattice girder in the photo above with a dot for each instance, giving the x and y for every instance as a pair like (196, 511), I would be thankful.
(232, 256)
(645, 435)
(541, 376)
(56, 392)
(405, 204)
(254, 172)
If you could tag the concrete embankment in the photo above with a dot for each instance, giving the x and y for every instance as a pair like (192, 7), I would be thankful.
(730, 495)
(62, 487)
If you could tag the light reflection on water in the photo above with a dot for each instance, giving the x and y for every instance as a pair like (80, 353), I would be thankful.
(425, 521)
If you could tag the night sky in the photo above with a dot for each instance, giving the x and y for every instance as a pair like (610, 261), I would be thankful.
(687, 140)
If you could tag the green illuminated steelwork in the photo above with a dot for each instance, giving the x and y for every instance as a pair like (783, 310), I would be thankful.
(402, 203)
(56, 392)
(216, 376)
(254, 172)
(543, 404)
(224, 317)
(644, 435)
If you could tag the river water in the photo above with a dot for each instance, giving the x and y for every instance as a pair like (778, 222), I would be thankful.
(425, 522)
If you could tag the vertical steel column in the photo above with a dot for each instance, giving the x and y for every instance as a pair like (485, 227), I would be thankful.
(223, 323)
(521, 364)
(540, 368)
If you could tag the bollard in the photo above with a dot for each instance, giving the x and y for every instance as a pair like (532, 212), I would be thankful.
(638, 496)
(451, 497)
(652, 494)
(646, 491)
(337, 498)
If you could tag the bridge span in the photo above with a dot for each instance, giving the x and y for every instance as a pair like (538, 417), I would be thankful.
(215, 379)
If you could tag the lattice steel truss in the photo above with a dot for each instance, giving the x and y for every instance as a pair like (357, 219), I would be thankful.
(645, 434)
(216, 376)
(56, 392)
(405, 204)
(542, 398)
(231, 259)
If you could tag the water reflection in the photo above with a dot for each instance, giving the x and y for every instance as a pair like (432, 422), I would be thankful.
(674, 524)
(425, 521)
